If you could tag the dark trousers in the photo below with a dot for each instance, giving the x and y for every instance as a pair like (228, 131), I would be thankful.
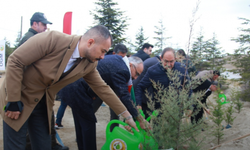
(53, 134)
(36, 125)
(199, 111)
(60, 112)
(112, 117)
(145, 110)
(97, 103)
(198, 116)
(85, 132)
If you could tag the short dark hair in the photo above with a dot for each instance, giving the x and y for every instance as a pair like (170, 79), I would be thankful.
(99, 31)
(32, 21)
(216, 72)
(120, 48)
(147, 45)
(181, 52)
(167, 50)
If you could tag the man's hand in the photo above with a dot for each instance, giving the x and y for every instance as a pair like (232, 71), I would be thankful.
(138, 107)
(13, 114)
(129, 121)
(213, 87)
(208, 111)
(189, 113)
(143, 123)
(132, 123)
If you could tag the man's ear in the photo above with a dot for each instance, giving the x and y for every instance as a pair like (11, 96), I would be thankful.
(90, 42)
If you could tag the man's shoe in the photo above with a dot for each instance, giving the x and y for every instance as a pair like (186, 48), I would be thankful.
(59, 147)
(58, 126)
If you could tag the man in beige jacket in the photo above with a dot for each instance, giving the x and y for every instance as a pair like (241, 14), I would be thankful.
(37, 70)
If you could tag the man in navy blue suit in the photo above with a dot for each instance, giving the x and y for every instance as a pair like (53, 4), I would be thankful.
(117, 72)
(147, 63)
(158, 74)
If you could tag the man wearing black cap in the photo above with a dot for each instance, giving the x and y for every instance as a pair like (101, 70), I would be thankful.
(38, 24)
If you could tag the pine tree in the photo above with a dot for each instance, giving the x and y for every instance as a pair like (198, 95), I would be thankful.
(242, 57)
(140, 39)
(18, 39)
(160, 39)
(214, 54)
(172, 129)
(8, 50)
(108, 15)
(217, 118)
(197, 53)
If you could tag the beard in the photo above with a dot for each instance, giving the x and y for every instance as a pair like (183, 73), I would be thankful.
(89, 58)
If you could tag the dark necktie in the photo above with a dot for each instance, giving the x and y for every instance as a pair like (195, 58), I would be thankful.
(76, 62)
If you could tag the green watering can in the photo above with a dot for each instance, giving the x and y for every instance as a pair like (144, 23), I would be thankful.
(147, 141)
(121, 139)
(223, 99)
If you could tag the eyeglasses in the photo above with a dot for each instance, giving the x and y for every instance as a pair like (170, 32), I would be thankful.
(137, 74)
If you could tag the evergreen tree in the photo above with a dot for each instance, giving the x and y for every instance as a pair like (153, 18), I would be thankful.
(108, 15)
(197, 53)
(8, 50)
(18, 39)
(242, 57)
(130, 46)
(172, 129)
(140, 39)
(214, 54)
(160, 39)
(217, 118)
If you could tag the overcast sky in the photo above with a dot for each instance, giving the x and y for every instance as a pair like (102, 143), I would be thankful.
(214, 16)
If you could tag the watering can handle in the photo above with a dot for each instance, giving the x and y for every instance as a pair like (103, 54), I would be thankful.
(119, 122)
(155, 113)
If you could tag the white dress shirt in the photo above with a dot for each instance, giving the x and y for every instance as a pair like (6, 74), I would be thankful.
(73, 58)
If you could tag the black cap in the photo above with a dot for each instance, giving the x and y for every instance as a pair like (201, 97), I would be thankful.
(40, 17)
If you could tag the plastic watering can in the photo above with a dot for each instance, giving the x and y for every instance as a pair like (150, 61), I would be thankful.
(147, 139)
(223, 99)
(121, 139)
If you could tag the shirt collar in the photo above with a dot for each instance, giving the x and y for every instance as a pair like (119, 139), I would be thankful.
(76, 53)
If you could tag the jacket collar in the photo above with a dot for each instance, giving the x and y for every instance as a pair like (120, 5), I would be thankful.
(67, 56)
(32, 31)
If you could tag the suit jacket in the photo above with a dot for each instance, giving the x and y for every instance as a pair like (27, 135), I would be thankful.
(34, 69)
(205, 77)
(141, 54)
(158, 74)
(116, 74)
(147, 63)
(79, 96)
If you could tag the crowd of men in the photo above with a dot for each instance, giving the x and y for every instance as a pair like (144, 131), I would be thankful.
(78, 71)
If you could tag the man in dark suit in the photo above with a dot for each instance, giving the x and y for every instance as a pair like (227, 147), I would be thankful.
(145, 52)
(158, 73)
(117, 73)
(206, 77)
(147, 63)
